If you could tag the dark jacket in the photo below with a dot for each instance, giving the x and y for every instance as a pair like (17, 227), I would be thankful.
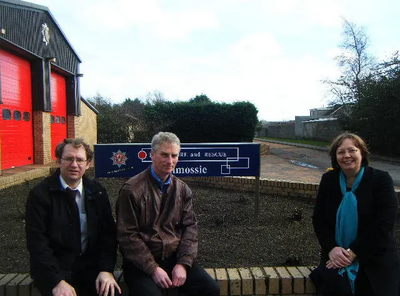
(50, 238)
(375, 245)
(153, 226)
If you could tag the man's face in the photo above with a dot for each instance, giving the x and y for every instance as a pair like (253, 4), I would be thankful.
(70, 170)
(165, 159)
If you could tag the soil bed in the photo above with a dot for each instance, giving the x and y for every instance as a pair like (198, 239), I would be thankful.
(228, 236)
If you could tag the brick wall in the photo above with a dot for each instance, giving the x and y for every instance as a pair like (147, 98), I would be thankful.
(42, 137)
(71, 126)
(257, 281)
(277, 187)
(85, 126)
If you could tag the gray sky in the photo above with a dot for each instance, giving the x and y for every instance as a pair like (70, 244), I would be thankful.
(271, 53)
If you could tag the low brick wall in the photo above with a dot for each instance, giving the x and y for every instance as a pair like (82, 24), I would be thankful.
(20, 175)
(248, 184)
(233, 281)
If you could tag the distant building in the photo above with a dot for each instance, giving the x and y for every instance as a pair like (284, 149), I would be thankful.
(321, 125)
(40, 102)
(320, 111)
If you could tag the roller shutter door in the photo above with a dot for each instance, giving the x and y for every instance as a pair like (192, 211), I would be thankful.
(16, 127)
(59, 129)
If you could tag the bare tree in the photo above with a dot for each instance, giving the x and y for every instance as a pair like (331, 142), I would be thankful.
(354, 62)
(155, 97)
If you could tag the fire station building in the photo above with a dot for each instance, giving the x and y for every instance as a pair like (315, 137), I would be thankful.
(40, 102)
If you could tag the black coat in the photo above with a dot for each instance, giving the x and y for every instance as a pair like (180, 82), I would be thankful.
(50, 238)
(375, 245)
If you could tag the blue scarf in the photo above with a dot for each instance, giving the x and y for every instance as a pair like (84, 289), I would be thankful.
(347, 223)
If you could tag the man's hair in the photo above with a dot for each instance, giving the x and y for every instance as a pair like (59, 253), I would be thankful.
(164, 137)
(76, 143)
(358, 142)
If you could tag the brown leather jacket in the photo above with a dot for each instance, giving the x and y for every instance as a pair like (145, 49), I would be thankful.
(153, 226)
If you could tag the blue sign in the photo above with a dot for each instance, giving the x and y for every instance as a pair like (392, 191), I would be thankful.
(201, 160)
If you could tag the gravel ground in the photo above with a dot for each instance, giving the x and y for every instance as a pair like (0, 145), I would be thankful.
(228, 236)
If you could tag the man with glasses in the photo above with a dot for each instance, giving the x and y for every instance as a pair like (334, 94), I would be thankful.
(70, 229)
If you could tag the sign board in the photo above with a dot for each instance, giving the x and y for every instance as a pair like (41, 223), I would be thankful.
(195, 160)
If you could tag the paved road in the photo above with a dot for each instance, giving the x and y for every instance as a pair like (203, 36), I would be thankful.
(294, 163)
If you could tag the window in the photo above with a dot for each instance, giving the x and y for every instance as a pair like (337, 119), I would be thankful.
(52, 119)
(17, 115)
(58, 119)
(63, 120)
(27, 116)
(6, 114)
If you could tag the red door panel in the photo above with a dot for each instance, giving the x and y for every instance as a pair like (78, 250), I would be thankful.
(59, 114)
(16, 127)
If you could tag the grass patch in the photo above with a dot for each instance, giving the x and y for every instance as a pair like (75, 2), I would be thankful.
(306, 142)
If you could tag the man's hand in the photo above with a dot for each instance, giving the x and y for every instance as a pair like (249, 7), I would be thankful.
(178, 275)
(105, 283)
(338, 258)
(63, 289)
(161, 278)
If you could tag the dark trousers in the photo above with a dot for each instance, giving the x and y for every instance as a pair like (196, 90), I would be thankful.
(329, 283)
(198, 281)
(82, 277)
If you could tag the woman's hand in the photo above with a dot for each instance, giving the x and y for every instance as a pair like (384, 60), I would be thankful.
(338, 258)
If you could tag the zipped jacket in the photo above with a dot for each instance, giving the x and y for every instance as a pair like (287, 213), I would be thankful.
(51, 240)
(153, 226)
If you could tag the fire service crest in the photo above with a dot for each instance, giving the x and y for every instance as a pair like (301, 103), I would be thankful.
(119, 158)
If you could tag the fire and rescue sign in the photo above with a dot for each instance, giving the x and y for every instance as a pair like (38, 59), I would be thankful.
(199, 159)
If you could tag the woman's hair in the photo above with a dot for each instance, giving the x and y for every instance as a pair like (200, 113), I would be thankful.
(164, 137)
(76, 143)
(358, 142)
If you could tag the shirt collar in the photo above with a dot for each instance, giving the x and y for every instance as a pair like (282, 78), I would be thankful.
(64, 185)
(163, 185)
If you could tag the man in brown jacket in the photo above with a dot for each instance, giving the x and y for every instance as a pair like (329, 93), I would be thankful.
(157, 228)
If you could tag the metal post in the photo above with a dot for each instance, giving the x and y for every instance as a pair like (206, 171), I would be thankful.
(257, 200)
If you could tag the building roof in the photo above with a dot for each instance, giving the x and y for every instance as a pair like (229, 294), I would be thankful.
(33, 6)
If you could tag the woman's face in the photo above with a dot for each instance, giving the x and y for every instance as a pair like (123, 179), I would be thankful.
(349, 157)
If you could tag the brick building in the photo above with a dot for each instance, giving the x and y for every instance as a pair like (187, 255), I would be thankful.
(40, 102)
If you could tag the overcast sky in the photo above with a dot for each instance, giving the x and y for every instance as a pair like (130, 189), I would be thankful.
(273, 53)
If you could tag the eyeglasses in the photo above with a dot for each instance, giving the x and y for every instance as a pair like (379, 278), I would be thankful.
(70, 160)
(350, 151)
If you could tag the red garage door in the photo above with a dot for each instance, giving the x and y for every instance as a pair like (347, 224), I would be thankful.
(59, 113)
(16, 128)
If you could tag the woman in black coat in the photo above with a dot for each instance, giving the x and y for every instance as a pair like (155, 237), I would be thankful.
(354, 217)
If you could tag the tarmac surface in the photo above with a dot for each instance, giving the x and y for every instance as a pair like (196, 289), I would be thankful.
(304, 163)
